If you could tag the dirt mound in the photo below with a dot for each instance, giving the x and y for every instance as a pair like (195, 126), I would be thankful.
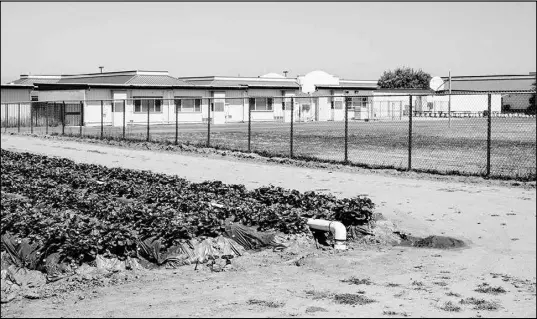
(440, 242)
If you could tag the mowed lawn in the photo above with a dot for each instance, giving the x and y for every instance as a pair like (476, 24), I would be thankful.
(435, 146)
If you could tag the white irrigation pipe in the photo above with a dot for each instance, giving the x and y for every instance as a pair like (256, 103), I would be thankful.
(336, 228)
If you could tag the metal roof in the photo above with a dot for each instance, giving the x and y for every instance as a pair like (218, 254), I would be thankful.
(31, 81)
(490, 83)
(216, 81)
(148, 80)
(156, 80)
(116, 79)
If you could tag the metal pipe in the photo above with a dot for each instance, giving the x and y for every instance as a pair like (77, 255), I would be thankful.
(63, 118)
(177, 121)
(102, 116)
(291, 134)
(489, 131)
(208, 122)
(336, 228)
(410, 134)
(249, 127)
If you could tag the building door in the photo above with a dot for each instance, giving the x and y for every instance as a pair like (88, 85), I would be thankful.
(218, 104)
(118, 111)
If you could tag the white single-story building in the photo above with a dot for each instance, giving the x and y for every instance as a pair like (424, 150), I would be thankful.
(268, 95)
(15, 108)
(514, 90)
(329, 95)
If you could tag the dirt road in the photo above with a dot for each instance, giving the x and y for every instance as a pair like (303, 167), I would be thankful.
(497, 221)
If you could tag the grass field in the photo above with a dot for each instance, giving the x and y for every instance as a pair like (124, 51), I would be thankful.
(435, 146)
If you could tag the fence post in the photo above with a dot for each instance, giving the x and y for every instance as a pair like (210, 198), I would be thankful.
(177, 122)
(208, 122)
(410, 134)
(81, 117)
(346, 130)
(148, 110)
(102, 120)
(31, 117)
(249, 127)
(19, 119)
(124, 115)
(489, 132)
(46, 118)
(63, 118)
(292, 120)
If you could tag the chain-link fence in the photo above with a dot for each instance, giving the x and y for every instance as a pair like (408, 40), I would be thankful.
(487, 134)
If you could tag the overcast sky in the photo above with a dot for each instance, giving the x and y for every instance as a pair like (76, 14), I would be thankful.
(350, 40)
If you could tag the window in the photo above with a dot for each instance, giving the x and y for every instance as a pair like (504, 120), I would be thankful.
(356, 102)
(338, 105)
(188, 104)
(261, 103)
(145, 104)
(34, 98)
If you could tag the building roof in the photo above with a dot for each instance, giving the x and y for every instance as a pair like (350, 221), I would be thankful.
(125, 78)
(17, 86)
(351, 84)
(34, 80)
(405, 91)
(487, 83)
(228, 81)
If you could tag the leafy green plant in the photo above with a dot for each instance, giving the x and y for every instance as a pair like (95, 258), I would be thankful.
(81, 210)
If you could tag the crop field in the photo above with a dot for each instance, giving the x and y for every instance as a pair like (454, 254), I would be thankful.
(81, 210)
(82, 206)
(435, 146)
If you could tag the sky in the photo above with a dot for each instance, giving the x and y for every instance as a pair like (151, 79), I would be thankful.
(351, 40)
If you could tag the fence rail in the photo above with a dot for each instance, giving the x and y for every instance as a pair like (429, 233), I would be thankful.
(471, 135)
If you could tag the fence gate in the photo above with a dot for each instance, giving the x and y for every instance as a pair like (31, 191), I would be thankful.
(73, 114)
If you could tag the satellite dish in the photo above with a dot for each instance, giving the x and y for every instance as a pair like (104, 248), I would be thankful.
(436, 83)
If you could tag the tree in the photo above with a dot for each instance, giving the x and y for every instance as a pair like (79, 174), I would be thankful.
(531, 109)
(404, 78)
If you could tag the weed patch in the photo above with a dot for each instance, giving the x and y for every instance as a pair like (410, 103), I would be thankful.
(358, 281)
(488, 289)
(352, 299)
(450, 307)
(315, 309)
(263, 303)
(481, 304)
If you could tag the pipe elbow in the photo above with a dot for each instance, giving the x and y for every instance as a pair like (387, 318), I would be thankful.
(338, 230)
